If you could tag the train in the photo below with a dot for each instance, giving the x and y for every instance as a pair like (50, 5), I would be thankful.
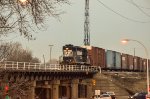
(106, 59)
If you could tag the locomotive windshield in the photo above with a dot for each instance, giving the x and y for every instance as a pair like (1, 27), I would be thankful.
(79, 52)
(67, 53)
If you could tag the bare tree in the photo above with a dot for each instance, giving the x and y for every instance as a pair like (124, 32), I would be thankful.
(15, 52)
(5, 50)
(20, 16)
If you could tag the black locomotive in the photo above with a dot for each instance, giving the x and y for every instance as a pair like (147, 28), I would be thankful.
(75, 55)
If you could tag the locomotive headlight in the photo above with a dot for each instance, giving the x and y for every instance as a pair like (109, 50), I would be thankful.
(66, 48)
(68, 52)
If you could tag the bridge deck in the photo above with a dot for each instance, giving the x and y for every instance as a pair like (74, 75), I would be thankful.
(36, 67)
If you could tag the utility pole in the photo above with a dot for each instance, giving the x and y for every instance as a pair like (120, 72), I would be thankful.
(44, 59)
(134, 51)
(50, 51)
(86, 25)
(133, 58)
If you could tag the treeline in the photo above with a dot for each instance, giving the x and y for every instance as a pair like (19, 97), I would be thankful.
(15, 52)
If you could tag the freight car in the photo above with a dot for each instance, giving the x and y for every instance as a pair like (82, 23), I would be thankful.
(113, 60)
(116, 61)
(75, 55)
(106, 59)
(97, 56)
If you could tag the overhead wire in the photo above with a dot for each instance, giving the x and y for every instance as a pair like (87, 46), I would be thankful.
(141, 6)
(130, 19)
(133, 3)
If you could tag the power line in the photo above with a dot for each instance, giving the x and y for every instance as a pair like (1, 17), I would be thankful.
(133, 3)
(130, 19)
(140, 6)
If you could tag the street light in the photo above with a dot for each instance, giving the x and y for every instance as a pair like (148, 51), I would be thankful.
(23, 1)
(50, 51)
(146, 52)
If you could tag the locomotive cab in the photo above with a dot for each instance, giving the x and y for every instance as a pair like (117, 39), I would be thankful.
(74, 55)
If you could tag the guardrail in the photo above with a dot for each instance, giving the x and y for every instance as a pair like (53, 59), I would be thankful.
(28, 66)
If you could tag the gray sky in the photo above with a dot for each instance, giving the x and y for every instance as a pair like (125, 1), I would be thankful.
(106, 28)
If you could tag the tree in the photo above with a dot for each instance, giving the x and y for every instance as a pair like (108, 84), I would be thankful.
(22, 15)
(5, 50)
(15, 52)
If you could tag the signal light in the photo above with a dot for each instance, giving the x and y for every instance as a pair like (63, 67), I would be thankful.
(94, 82)
(6, 89)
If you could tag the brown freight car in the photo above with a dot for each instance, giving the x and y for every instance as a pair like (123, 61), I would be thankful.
(130, 62)
(144, 64)
(124, 61)
(140, 64)
(97, 56)
(137, 63)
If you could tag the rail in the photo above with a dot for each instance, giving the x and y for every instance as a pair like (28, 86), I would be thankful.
(28, 66)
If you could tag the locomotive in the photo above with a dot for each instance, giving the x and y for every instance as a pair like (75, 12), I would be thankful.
(75, 55)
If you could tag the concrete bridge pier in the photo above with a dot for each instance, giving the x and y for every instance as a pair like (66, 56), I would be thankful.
(48, 90)
(89, 88)
(74, 89)
(68, 91)
(48, 93)
(55, 89)
(32, 91)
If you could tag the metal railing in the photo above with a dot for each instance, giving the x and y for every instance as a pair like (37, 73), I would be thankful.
(28, 66)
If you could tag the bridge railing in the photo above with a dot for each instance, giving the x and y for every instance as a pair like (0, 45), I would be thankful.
(28, 66)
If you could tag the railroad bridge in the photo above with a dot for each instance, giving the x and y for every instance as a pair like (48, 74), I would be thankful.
(51, 81)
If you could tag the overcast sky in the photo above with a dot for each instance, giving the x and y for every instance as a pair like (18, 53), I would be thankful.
(110, 21)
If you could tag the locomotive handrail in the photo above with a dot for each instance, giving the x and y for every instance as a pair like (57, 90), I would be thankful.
(29, 66)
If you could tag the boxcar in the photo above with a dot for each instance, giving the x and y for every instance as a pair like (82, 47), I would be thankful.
(118, 60)
(124, 62)
(97, 56)
(144, 64)
(113, 60)
(140, 64)
(136, 63)
(130, 62)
